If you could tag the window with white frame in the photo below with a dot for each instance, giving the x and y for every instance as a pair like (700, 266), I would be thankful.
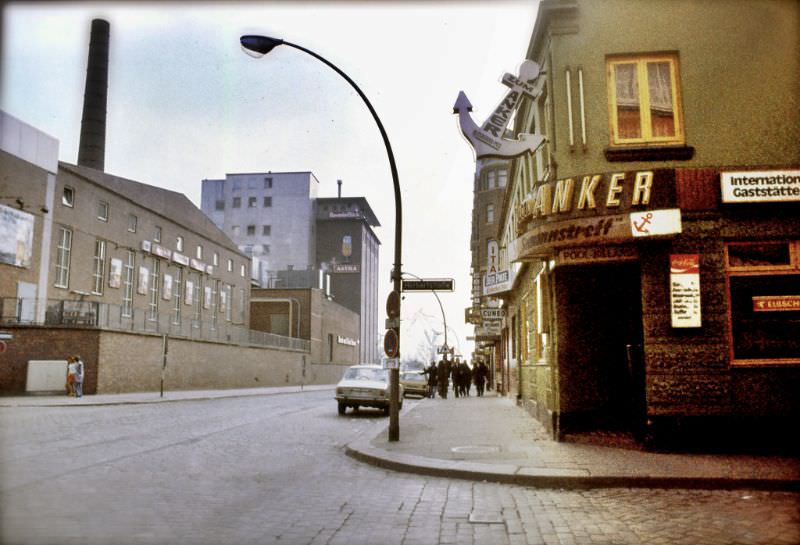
(177, 297)
(127, 284)
(179, 243)
(99, 268)
(68, 196)
(133, 222)
(157, 234)
(199, 252)
(63, 252)
(152, 304)
(102, 210)
(489, 213)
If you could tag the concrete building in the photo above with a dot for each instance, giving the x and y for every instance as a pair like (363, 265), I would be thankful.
(653, 239)
(297, 240)
(270, 216)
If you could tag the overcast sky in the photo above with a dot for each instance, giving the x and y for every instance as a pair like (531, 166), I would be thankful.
(185, 103)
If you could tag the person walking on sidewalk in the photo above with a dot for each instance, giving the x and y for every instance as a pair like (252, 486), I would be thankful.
(78, 382)
(442, 377)
(480, 372)
(431, 373)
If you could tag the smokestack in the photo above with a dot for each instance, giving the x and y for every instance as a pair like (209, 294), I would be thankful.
(339, 183)
(92, 149)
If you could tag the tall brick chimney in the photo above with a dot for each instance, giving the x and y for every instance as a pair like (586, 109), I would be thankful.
(92, 149)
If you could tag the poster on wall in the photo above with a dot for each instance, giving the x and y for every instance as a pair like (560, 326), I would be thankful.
(115, 273)
(166, 293)
(16, 237)
(144, 277)
(684, 292)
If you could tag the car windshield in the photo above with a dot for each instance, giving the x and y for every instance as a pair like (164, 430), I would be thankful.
(366, 373)
(412, 376)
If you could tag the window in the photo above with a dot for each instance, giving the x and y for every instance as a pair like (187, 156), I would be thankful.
(102, 210)
(243, 271)
(494, 178)
(179, 243)
(644, 102)
(230, 265)
(489, 213)
(199, 252)
(265, 248)
(99, 269)
(127, 284)
(251, 230)
(219, 205)
(236, 230)
(177, 297)
(229, 302)
(237, 185)
(266, 230)
(155, 274)
(251, 202)
(63, 251)
(68, 196)
(132, 223)
(267, 202)
(267, 183)
(764, 283)
(214, 292)
(237, 202)
(198, 303)
(215, 259)
(157, 234)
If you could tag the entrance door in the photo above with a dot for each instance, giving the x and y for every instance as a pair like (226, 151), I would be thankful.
(600, 320)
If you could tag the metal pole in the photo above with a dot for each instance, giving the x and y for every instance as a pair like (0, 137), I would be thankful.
(164, 347)
(394, 375)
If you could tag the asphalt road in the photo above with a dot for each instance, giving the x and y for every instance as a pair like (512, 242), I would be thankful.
(272, 469)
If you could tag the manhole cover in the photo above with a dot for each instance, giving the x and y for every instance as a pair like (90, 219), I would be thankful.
(476, 449)
(479, 517)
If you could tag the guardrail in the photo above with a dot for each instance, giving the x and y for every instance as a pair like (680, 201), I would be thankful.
(97, 315)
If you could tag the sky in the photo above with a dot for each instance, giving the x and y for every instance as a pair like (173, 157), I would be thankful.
(185, 104)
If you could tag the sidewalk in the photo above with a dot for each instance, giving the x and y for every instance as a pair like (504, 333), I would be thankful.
(151, 397)
(492, 439)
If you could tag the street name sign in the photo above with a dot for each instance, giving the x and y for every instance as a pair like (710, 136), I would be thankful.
(429, 284)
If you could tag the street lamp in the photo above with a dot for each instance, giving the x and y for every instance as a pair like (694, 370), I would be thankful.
(258, 46)
(444, 318)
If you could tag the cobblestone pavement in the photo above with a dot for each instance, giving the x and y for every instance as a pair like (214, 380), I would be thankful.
(272, 469)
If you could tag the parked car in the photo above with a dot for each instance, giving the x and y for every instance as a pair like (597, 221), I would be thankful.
(365, 386)
(414, 383)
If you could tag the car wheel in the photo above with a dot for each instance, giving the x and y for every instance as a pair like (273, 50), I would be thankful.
(342, 408)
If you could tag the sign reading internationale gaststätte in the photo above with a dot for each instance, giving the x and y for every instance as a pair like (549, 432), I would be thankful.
(760, 186)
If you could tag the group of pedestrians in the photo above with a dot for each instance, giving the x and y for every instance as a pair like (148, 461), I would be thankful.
(462, 375)
(75, 376)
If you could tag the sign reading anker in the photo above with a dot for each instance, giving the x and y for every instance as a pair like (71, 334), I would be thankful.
(760, 186)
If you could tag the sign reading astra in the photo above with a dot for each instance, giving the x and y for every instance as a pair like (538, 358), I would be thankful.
(488, 140)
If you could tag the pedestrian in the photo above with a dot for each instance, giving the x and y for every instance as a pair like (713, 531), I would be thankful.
(78, 382)
(442, 376)
(431, 372)
(455, 372)
(480, 372)
(70, 376)
(466, 378)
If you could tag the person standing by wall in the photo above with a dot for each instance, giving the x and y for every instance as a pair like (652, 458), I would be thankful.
(78, 382)
(70, 376)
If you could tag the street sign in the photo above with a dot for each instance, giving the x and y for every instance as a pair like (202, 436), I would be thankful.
(493, 313)
(392, 323)
(390, 343)
(393, 305)
(428, 284)
(6, 336)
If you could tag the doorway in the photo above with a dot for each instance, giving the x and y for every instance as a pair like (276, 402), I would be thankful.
(599, 316)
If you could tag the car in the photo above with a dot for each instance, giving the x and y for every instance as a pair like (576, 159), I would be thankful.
(414, 383)
(365, 386)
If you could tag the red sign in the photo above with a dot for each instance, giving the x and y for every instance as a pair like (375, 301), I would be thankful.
(390, 343)
(684, 264)
(773, 303)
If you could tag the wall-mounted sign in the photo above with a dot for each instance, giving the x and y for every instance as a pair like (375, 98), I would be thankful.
(596, 254)
(160, 251)
(346, 341)
(760, 186)
(349, 214)
(776, 303)
(493, 313)
(347, 246)
(344, 268)
(146, 246)
(180, 259)
(428, 284)
(684, 293)
(197, 265)
(487, 140)
(115, 273)
(16, 237)
(542, 239)
(498, 282)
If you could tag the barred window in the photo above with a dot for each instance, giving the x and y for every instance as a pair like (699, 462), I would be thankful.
(99, 268)
(63, 252)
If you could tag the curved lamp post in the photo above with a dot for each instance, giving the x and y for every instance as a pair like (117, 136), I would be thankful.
(258, 46)
(444, 318)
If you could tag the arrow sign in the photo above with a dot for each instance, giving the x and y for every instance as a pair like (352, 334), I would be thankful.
(487, 140)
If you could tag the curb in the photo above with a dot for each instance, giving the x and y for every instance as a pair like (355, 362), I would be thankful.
(549, 478)
(92, 403)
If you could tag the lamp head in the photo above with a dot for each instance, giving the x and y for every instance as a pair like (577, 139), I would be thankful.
(258, 46)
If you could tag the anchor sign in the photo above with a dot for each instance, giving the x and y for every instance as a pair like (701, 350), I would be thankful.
(642, 227)
(487, 140)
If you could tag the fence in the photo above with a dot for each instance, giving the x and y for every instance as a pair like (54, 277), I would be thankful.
(97, 315)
